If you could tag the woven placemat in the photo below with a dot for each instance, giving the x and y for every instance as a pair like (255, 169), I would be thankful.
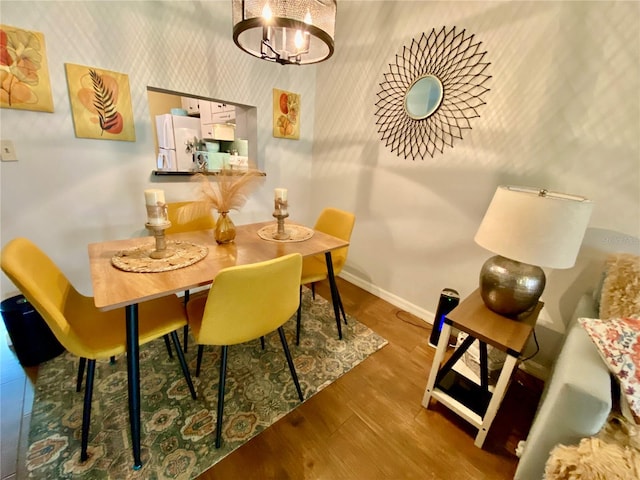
(297, 233)
(138, 259)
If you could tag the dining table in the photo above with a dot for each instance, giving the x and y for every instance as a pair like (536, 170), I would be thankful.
(115, 288)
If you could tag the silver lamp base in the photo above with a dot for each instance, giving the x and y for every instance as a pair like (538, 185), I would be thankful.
(509, 287)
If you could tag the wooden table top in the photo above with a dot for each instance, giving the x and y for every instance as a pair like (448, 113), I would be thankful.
(473, 316)
(114, 288)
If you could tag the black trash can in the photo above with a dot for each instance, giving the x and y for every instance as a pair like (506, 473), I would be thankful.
(32, 339)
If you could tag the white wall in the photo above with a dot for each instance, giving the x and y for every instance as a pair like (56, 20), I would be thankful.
(65, 192)
(562, 113)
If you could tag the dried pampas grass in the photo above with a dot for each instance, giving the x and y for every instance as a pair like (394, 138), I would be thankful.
(226, 191)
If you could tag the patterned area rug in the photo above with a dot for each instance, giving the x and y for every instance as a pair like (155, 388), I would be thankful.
(177, 431)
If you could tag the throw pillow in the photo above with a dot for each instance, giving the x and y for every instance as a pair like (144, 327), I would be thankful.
(618, 342)
(621, 287)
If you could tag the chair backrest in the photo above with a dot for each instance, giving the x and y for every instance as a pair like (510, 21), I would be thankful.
(205, 221)
(47, 289)
(249, 301)
(339, 224)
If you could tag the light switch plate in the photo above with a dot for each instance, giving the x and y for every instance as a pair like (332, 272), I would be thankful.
(8, 151)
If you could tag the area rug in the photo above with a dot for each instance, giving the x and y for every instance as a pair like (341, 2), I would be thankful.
(177, 431)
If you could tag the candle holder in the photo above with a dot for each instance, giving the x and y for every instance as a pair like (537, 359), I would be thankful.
(161, 250)
(280, 213)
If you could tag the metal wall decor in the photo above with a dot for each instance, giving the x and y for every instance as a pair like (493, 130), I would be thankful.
(430, 94)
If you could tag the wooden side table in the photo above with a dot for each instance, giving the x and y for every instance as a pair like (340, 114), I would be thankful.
(476, 403)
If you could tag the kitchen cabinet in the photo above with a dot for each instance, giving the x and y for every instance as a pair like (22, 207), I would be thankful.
(191, 105)
(206, 108)
(239, 125)
(218, 131)
(214, 112)
(223, 113)
(223, 117)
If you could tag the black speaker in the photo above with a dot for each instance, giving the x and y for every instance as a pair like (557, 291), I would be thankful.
(449, 299)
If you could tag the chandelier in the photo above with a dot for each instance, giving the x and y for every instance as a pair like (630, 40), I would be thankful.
(289, 32)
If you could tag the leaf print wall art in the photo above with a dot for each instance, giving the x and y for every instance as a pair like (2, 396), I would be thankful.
(100, 103)
(286, 114)
(24, 74)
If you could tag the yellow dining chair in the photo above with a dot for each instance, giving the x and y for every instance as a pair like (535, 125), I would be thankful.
(337, 223)
(78, 325)
(245, 303)
(203, 222)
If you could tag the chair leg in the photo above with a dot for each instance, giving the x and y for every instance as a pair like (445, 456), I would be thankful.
(299, 318)
(168, 344)
(313, 290)
(186, 327)
(223, 376)
(183, 363)
(200, 350)
(262, 342)
(86, 411)
(292, 367)
(112, 360)
(81, 365)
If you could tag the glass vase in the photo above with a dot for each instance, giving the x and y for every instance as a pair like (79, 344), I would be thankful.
(225, 229)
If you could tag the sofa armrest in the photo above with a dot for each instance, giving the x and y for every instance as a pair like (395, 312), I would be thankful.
(575, 404)
(586, 308)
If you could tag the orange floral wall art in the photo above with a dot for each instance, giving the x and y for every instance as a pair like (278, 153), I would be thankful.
(24, 74)
(100, 103)
(286, 114)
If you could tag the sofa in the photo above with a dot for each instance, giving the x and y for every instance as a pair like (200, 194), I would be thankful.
(599, 354)
(576, 400)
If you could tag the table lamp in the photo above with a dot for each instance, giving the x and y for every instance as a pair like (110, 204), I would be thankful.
(527, 228)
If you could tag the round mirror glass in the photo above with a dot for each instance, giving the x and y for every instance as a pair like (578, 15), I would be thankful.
(423, 97)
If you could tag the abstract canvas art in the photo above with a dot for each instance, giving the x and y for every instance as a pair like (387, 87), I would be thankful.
(286, 114)
(24, 74)
(100, 103)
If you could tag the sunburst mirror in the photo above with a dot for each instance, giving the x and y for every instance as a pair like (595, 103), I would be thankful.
(430, 94)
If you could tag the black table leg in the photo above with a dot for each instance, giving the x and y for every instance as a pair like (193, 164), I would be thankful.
(133, 376)
(334, 292)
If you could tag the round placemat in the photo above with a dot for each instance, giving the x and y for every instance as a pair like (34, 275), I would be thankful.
(297, 233)
(138, 259)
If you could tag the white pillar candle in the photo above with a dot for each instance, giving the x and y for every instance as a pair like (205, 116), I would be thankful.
(156, 210)
(154, 196)
(281, 194)
(281, 201)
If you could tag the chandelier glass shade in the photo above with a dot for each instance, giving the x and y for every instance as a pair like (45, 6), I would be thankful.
(285, 31)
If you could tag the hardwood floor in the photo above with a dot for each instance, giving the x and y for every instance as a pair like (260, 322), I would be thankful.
(16, 399)
(369, 424)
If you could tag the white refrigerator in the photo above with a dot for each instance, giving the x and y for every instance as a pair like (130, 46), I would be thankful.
(174, 132)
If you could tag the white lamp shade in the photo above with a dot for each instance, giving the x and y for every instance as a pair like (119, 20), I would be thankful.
(534, 226)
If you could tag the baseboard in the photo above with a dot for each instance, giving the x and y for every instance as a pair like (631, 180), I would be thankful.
(533, 368)
(394, 300)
